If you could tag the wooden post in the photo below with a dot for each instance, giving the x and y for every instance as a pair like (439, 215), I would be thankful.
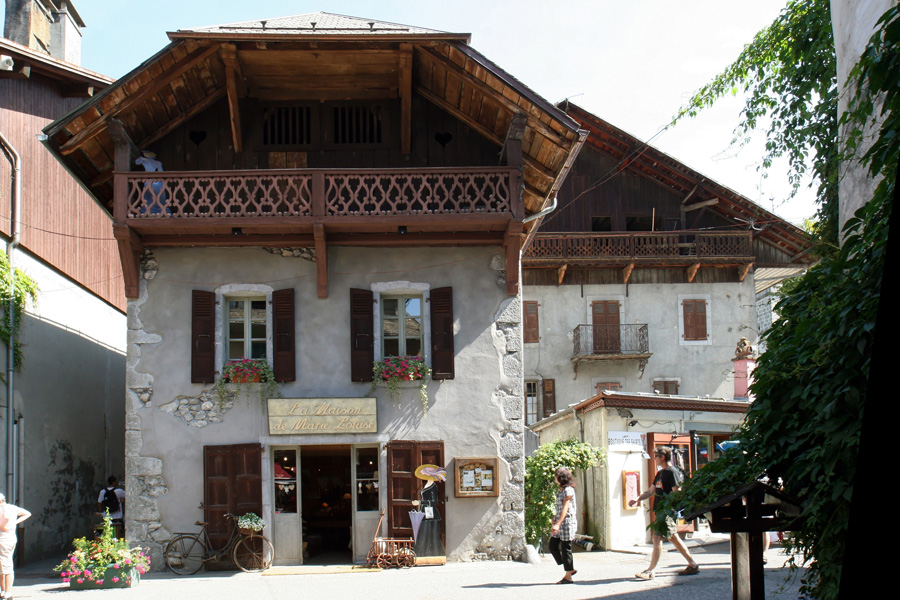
(512, 242)
(405, 98)
(321, 259)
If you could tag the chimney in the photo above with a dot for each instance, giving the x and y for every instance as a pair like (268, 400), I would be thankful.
(49, 26)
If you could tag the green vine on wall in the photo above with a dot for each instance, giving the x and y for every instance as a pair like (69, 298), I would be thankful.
(540, 486)
(26, 288)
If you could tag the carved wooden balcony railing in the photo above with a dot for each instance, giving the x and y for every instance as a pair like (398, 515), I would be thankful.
(321, 193)
(669, 246)
(611, 342)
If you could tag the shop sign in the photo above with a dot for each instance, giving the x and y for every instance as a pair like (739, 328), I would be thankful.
(297, 416)
(626, 441)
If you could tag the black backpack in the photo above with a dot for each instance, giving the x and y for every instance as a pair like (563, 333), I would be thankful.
(110, 501)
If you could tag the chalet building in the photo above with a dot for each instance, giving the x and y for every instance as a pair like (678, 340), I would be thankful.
(326, 191)
(66, 418)
(637, 290)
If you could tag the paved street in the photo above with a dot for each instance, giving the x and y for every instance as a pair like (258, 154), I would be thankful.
(600, 575)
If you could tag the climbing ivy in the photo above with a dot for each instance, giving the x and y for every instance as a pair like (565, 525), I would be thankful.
(803, 429)
(25, 289)
(540, 486)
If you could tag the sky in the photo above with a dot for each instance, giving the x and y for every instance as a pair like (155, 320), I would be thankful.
(632, 63)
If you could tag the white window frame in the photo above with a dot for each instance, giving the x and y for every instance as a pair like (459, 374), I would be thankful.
(538, 404)
(707, 299)
(243, 291)
(402, 288)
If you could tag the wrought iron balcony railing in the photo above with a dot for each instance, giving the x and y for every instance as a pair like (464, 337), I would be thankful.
(611, 340)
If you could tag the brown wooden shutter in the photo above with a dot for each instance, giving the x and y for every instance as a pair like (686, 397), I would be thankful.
(203, 347)
(548, 394)
(232, 484)
(605, 318)
(532, 329)
(404, 456)
(284, 362)
(694, 319)
(362, 339)
(442, 353)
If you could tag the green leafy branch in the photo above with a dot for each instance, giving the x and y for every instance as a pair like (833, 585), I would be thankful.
(25, 289)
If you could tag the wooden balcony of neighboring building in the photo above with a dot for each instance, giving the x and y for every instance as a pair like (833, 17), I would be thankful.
(461, 206)
(690, 249)
(611, 342)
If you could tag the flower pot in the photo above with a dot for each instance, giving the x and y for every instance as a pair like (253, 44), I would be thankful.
(248, 531)
(126, 577)
(245, 379)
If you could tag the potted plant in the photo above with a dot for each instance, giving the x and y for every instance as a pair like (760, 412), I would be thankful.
(251, 522)
(393, 371)
(243, 371)
(106, 562)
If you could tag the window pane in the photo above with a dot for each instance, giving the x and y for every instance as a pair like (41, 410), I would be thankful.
(413, 328)
(391, 347)
(367, 479)
(258, 350)
(390, 306)
(258, 330)
(413, 307)
(236, 350)
(391, 327)
(413, 347)
(285, 468)
(236, 331)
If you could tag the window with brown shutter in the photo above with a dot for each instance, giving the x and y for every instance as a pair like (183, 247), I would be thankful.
(694, 319)
(203, 348)
(532, 329)
(362, 342)
(610, 386)
(548, 391)
(668, 386)
(284, 360)
(442, 349)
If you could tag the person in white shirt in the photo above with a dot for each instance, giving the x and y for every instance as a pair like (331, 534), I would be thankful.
(10, 517)
(113, 498)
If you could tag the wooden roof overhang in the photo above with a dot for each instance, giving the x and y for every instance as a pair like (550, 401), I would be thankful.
(74, 81)
(201, 67)
(698, 190)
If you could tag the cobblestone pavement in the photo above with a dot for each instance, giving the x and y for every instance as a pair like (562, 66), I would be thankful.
(600, 575)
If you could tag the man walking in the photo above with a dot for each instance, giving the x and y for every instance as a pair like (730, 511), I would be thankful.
(664, 483)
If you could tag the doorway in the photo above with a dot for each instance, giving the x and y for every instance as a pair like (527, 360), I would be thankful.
(324, 499)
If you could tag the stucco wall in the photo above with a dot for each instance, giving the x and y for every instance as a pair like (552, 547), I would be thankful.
(701, 368)
(68, 399)
(476, 414)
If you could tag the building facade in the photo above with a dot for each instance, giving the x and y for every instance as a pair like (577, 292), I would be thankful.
(335, 191)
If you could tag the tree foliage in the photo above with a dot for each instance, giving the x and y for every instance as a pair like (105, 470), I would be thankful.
(540, 486)
(789, 75)
(811, 383)
(25, 289)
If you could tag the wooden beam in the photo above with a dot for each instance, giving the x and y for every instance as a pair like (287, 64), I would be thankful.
(124, 152)
(83, 90)
(405, 98)
(96, 127)
(692, 272)
(233, 78)
(512, 147)
(560, 274)
(175, 123)
(130, 249)
(626, 272)
(742, 271)
(321, 259)
(512, 242)
(20, 71)
(698, 205)
(454, 110)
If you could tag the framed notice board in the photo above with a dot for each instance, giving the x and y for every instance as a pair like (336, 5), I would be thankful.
(631, 488)
(476, 477)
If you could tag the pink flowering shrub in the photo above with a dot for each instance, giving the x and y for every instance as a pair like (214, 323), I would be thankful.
(91, 558)
(393, 370)
(247, 370)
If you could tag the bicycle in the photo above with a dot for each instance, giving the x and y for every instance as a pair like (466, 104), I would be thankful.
(250, 552)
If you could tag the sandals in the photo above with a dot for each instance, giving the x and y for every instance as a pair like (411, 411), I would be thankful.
(564, 580)
(645, 575)
(690, 570)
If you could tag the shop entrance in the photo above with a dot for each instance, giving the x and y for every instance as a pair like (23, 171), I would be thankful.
(324, 498)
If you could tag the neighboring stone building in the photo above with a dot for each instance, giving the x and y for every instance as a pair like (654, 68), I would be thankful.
(68, 417)
(336, 190)
(637, 290)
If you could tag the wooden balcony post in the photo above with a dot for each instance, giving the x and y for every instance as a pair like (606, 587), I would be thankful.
(125, 149)
(512, 242)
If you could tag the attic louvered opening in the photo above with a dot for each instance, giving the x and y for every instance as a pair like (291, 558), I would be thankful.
(287, 126)
(357, 124)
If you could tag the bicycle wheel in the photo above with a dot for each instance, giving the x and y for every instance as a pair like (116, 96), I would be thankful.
(185, 554)
(253, 553)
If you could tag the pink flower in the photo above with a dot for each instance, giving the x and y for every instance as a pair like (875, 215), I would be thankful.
(115, 580)
(87, 573)
(99, 582)
(66, 580)
(79, 580)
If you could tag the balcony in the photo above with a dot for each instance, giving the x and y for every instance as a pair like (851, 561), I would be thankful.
(611, 342)
(646, 248)
(365, 200)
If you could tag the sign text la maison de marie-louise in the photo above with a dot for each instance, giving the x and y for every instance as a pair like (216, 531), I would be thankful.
(293, 416)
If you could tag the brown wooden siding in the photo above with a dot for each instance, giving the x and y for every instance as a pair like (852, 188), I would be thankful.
(615, 276)
(62, 225)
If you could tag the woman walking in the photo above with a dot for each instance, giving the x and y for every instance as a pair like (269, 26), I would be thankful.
(564, 523)
(10, 516)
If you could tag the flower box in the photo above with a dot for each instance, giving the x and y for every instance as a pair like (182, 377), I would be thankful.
(115, 577)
